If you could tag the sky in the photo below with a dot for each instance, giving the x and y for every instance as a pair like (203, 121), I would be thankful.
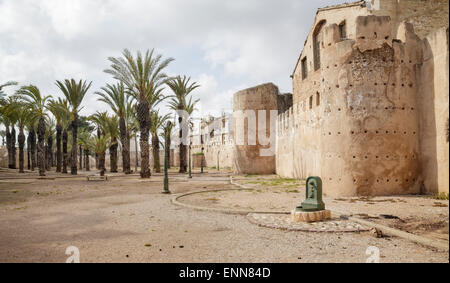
(225, 46)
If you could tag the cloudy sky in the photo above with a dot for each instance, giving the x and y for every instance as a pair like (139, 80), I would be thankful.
(224, 45)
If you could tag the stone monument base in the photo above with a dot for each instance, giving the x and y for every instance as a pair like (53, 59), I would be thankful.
(314, 216)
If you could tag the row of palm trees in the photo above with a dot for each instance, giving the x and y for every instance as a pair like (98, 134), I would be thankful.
(133, 100)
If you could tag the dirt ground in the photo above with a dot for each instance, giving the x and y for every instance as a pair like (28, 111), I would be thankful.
(127, 219)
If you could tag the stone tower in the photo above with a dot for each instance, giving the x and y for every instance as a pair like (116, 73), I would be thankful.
(369, 133)
(255, 112)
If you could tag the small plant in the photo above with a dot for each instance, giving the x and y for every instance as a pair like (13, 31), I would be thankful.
(441, 196)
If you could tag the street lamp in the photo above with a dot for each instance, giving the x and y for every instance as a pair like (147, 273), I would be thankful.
(166, 159)
(190, 173)
(201, 162)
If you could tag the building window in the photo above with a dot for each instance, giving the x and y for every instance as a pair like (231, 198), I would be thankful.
(316, 44)
(343, 30)
(310, 102)
(316, 49)
(304, 68)
(317, 98)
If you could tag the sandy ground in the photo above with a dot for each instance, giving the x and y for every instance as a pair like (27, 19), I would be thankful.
(128, 220)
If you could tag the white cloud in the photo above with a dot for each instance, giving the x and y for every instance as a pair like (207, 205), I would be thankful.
(224, 45)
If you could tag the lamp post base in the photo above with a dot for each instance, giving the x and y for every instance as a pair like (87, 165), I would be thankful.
(310, 216)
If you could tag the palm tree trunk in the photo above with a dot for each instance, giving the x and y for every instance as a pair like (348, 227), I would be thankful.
(136, 163)
(74, 153)
(113, 156)
(81, 157)
(41, 147)
(86, 160)
(169, 141)
(8, 145)
(155, 147)
(49, 153)
(125, 146)
(97, 163)
(21, 140)
(58, 148)
(29, 151)
(143, 116)
(64, 146)
(32, 134)
(13, 148)
(101, 163)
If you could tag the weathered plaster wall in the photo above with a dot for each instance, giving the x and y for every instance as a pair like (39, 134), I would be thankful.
(3, 157)
(425, 15)
(247, 158)
(219, 155)
(433, 106)
(355, 121)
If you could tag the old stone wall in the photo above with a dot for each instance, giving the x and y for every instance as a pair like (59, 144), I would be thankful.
(425, 15)
(249, 158)
(355, 121)
(433, 108)
(3, 157)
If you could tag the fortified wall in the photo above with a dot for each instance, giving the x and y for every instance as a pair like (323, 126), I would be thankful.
(252, 109)
(365, 120)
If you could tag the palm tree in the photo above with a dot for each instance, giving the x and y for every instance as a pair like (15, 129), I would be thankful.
(50, 126)
(84, 140)
(168, 140)
(143, 78)
(9, 119)
(3, 135)
(25, 116)
(118, 100)
(182, 88)
(74, 93)
(133, 126)
(158, 121)
(37, 102)
(30, 137)
(100, 145)
(2, 93)
(98, 118)
(59, 111)
(112, 130)
(65, 123)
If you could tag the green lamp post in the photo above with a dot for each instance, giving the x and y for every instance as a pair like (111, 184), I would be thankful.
(201, 162)
(218, 164)
(166, 160)
(190, 171)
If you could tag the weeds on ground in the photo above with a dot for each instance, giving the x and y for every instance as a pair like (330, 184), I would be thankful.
(441, 196)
